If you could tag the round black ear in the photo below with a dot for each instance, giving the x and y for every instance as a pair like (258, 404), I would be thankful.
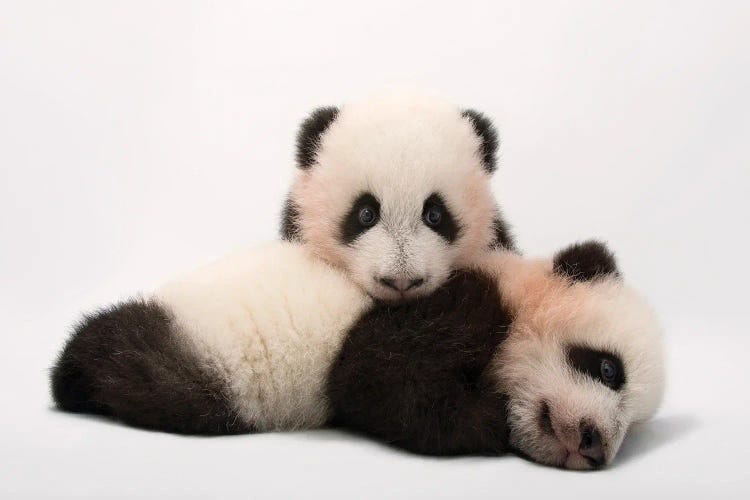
(308, 137)
(585, 261)
(486, 131)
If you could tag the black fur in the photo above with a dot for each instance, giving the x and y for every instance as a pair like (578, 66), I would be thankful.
(585, 261)
(447, 228)
(503, 235)
(290, 229)
(415, 374)
(351, 228)
(490, 141)
(308, 137)
(130, 362)
(588, 361)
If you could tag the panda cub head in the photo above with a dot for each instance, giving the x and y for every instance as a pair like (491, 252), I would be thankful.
(395, 190)
(583, 360)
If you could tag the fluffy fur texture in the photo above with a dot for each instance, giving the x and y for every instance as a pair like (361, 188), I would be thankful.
(506, 356)
(310, 132)
(132, 361)
(585, 261)
(271, 320)
(402, 148)
(520, 366)
(490, 141)
(415, 374)
(504, 239)
(242, 344)
(552, 402)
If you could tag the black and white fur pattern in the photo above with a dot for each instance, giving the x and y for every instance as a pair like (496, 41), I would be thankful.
(509, 358)
(499, 358)
(400, 155)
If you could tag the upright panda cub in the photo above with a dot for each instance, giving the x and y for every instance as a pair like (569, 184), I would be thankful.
(552, 358)
(395, 190)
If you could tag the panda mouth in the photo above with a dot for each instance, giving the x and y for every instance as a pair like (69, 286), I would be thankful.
(545, 424)
(545, 420)
(395, 295)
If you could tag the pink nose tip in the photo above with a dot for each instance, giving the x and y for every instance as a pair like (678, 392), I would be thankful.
(401, 284)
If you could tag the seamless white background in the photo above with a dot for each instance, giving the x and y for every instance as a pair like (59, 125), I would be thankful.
(138, 139)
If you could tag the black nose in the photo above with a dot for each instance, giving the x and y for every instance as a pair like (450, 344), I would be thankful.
(591, 445)
(402, 284)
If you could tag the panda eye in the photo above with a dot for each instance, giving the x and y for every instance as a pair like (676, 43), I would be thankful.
(608, 371)
(437, 217)
(602, 366)
(433, 215)
(368, 216)
(363, 214)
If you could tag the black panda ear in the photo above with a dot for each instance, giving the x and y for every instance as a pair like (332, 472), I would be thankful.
(486, 131)
(585, 261)
(308, 137)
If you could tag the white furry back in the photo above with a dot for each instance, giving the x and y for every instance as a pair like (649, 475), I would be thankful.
(271, 319)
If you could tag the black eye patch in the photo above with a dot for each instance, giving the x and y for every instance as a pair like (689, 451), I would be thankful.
(436, 216)
(363, 214)
(604, 367)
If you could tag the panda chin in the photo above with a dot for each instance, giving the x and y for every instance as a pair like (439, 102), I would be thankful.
(391, 297)
(548, 440)
(556, 454)
(387, 295)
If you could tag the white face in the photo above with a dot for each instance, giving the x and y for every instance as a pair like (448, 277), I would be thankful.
(398, 195)
(403, 253)
(579, 372)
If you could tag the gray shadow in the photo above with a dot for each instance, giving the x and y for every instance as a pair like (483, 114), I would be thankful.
(107, 420)
(339, 434)
(648, 436)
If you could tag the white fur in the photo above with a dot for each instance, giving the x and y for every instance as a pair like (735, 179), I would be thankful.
(401, 147)
(552, 313)
(271, 320)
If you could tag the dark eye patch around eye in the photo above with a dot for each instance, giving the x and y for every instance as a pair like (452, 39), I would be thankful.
(589, 362)
(447, 227)
(351, 227)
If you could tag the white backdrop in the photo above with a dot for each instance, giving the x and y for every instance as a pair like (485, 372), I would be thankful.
(138, 139)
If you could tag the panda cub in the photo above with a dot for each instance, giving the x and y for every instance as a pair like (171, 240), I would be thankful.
(395, 190)
(551, 359)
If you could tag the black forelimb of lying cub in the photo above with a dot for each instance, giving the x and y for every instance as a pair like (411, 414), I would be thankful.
(416, 375)
(130, 362)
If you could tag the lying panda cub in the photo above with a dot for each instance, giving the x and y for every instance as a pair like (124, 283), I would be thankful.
(552, 359)
(395, 190)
